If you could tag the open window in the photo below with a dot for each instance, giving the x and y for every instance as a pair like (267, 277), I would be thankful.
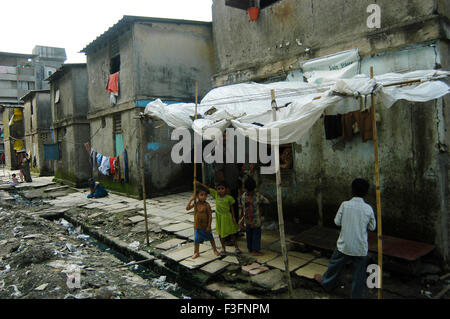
(114, 53)
(115, 64)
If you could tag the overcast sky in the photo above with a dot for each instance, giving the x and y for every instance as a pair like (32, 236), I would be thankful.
(74, 24)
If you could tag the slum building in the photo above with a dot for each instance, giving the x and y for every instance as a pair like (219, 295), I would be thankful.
(393, 36)
(71, 129)
(134, 62)
(14, 135)
(20, 74)
(37, 118)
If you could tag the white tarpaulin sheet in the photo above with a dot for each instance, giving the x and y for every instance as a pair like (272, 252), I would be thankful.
(247, 107)
(327, 69)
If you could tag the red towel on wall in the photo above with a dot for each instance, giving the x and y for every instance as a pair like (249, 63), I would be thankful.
(113, 83)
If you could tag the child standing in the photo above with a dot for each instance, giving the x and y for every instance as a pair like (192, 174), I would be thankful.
(355, 217)
(226, 224)
(251, 214)
(202, 221)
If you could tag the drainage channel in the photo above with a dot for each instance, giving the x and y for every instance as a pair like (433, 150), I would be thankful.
(161, 277)
(140, 270)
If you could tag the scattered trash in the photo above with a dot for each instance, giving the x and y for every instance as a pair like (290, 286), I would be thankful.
(17, 292)
(65, 223)
(41, 287)
(161, 283)
(83, 237)
(134, 245)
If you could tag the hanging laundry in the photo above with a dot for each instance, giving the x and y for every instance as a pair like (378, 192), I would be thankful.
(99, 159)
(117, 169)
(113, 83)
(111, 165)
(333, 126)
(93, 157)
(364, 120)
(347, 121)
(121, 177)
(105, 166)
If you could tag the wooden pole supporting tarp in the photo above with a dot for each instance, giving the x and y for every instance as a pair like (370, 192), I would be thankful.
(378, 195)
(195, 150)
(142, 158)
(276, 149)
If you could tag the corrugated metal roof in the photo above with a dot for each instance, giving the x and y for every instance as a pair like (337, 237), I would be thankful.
(126, 20)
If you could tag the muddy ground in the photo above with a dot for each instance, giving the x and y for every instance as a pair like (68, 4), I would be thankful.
(42, 259)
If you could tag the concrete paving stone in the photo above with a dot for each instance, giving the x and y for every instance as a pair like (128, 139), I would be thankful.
(187, 217)
(276, 246)
(114, 207)
(155, 229)
(273, 280)
(177, 227)
(294, 263)
(257, 271)
(167, 222)
(174, 215)
(203, 259)
(229, 292)
(247, 268)
(139, 228)
(231, 260)
(156, 212)
(306, 256)
(187, 233)
(215, 267)
(178, 254)
(96, 214)
(154, 220)
(322, 261)
(310, 270)
(136, 219)
(170, 243)
(268, 256)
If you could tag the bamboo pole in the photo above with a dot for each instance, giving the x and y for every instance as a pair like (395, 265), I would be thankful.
(195, 151)
(378, 195)
(280, 201)
(144, 195)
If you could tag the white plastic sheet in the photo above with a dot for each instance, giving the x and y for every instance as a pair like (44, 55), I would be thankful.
(247, 107)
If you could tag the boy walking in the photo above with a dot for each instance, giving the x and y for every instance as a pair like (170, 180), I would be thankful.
(355, 217)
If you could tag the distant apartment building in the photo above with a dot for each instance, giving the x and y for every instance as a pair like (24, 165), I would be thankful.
(20, 74)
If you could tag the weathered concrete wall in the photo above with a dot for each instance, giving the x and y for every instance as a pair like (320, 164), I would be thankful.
(170, 58)
(102, 140)
(413, 138)
(73, 167)
(70, 116)
(290, 31)
(37, 120)
(162, 174)
(98, 66)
